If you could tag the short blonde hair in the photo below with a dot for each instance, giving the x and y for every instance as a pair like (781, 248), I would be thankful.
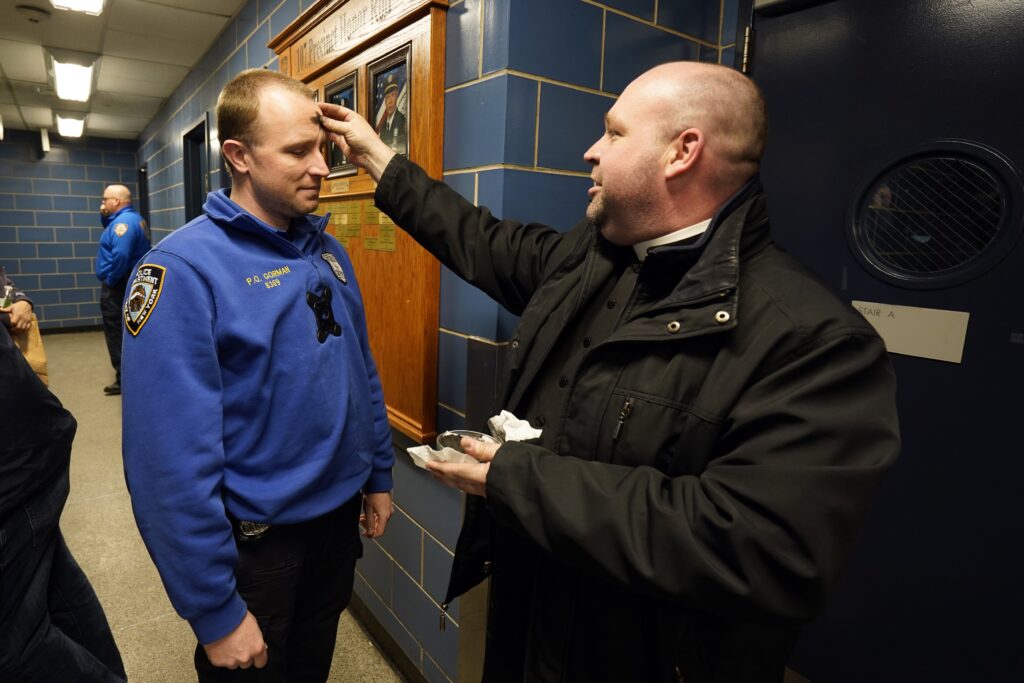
(238, 106)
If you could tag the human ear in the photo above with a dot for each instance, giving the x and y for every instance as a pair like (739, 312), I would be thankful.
(683, 152)
(236, 153)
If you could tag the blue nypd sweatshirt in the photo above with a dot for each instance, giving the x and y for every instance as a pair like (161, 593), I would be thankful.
(232, 402)
(122, 244)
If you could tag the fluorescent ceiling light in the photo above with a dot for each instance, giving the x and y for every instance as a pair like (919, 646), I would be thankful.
(92, 7)
(69, 127)
(73, 82)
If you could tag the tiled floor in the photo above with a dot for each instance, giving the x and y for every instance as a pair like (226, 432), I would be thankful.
(156, 645)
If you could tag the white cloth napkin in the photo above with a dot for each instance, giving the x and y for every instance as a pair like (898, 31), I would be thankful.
(507, 427)
(421, 454)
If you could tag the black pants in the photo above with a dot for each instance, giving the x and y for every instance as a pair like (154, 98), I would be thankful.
(296, 580)
(111, 299)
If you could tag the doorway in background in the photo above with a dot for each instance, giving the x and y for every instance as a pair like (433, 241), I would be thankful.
(893, 169)
(196, 157)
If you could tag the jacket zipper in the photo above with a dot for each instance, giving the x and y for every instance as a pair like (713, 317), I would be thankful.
(624, 413)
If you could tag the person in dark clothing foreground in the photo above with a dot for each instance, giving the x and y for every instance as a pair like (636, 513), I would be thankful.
(52, 627)
(714, 419)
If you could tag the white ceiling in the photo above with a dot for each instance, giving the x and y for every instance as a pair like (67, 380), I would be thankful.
(146, 48)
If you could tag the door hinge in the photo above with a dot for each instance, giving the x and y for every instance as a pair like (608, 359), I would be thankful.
(748, 44)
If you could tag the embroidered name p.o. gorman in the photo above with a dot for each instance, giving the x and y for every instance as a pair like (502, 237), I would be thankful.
(143, 295)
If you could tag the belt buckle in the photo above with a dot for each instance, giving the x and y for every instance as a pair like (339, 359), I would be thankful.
(251, 531)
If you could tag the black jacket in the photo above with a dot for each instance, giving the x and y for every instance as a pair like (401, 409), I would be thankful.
(38, 431)
(692, 545)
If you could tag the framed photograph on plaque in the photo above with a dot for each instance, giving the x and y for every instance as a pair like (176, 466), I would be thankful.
(343, 92)
(389, 99)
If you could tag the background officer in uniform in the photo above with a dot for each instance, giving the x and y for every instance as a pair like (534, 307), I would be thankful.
(255, 430)
(122, 244)
(714, 419)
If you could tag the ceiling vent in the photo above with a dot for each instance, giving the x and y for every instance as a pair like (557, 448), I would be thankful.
(35, 15)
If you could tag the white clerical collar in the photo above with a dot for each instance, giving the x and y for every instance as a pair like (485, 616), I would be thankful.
(684, 233)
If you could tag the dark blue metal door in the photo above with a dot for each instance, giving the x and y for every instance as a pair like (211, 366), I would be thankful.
(908, 114)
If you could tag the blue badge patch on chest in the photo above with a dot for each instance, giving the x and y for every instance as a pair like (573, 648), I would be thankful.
(143, 295)
(332, 261)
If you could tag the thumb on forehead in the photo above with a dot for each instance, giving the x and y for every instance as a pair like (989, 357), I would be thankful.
(335, 108)
(331, 124)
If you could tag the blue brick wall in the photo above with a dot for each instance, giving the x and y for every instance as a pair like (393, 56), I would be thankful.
(50, 221)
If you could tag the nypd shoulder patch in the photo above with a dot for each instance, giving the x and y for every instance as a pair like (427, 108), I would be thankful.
(120, 229)
(143, 295)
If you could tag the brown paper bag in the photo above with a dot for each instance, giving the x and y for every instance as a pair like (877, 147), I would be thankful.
(31, 344)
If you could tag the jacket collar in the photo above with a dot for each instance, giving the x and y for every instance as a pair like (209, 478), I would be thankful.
(739, 226)
(112, 217)
(221, 208)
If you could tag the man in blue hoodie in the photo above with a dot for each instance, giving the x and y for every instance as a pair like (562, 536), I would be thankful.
(254, 422)
(122, 244)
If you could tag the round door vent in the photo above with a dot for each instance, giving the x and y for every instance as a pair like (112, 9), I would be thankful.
(938, 217)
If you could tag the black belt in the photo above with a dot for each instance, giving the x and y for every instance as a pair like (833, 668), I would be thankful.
(247, 531)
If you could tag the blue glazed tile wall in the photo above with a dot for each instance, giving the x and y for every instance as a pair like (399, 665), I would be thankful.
(403, 576)
(643, 9)
(695, 18)
(462, 58)
(381, 609)
(557, 40)
(638, 47)
(491, 122)
(404, 542)
(466, 308)
(730, 23)
(50, 221)
(569, 123)
(552, 199)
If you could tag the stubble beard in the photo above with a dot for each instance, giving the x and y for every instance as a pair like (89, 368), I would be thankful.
(595, 212)
(602, 217)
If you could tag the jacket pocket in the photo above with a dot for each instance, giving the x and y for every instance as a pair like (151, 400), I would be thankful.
(646, 429)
